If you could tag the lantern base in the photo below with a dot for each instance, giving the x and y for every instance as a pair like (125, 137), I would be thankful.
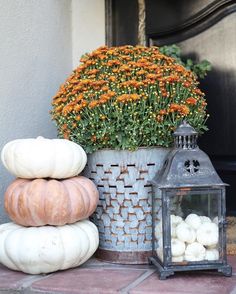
(165, 271)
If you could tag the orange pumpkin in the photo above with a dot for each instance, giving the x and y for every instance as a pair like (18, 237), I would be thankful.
(42, 202)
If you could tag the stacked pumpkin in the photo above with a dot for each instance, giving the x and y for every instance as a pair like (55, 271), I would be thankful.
(49, 205)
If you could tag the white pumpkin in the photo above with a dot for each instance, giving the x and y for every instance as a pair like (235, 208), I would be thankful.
(177, 247)
(43, 158)
(195, 252)
(36, 250)
(158, 229)
(205, 219)
(185, 233)
(208, 234)
(175, 219)
(212, 254)
(193, 220)
(177, 258)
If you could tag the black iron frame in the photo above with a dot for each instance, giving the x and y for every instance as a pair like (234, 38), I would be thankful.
(167, 268)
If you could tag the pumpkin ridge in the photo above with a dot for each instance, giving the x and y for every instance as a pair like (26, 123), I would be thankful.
(6, 248)
(63, 257)
(16, 200)
(30, 201)
(8, 198)
(83, 235)
(49, 191)
(82, 191)
(86, 233)
(24, 211)
(74, 233)
(69, 213)
(93, 188)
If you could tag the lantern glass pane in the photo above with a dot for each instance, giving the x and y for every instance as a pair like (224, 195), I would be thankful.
(194, 225)
(157, 226)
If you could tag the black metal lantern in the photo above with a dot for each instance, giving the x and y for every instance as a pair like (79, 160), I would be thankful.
(189, 226)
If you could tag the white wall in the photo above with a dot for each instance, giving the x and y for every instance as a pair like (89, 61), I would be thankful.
(88, 27)
(41, 41)
(36, 55)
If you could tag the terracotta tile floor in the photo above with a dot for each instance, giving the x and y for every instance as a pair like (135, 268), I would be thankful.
(97, 277)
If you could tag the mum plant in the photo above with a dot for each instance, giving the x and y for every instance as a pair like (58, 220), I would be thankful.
(126, 97)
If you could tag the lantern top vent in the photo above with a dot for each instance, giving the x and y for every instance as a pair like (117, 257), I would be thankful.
(186, 165)
(185, 136)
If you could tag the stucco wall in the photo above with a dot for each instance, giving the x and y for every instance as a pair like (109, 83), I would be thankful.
(88, 27)
(36, 56)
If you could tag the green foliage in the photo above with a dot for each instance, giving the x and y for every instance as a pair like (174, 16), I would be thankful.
(200, 69)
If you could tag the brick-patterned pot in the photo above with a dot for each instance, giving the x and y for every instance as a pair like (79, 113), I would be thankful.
(123, 215)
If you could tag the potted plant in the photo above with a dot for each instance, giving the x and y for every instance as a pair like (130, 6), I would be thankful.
(121, 105)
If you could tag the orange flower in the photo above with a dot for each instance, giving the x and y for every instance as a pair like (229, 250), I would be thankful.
(79, 97)
(103, 117)
(174, 107)
(113, 62)
(93, 71)
(128, 98)
(112, 78)
(67, 109)
(77, 107)
(93, 138)
(162, 112)
(66, 134)
(184, 110)
(78, 117)
(191, 101)
(199, 92)
(64, 127)
(159, 118)
(186, 84)
(93, 104)
(140, 72)
(111, 93)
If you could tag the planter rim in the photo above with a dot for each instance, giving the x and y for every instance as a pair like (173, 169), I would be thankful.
(126, 150)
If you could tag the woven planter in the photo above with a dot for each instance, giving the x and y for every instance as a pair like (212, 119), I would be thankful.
(123, 215)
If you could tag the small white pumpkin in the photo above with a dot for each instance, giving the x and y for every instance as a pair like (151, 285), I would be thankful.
(175, 219)
(178, 258)
(195, 252)
(43, 158)
(212, 254)
(193, 220)
(177, 247)
(158, 230)
(208, 234)
(205, 219)
(185, 233)
(36, 250)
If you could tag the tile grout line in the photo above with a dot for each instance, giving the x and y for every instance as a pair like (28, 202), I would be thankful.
(28, 281)
(135, 283)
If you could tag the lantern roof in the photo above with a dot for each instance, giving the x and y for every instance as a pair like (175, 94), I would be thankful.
(186, 165)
